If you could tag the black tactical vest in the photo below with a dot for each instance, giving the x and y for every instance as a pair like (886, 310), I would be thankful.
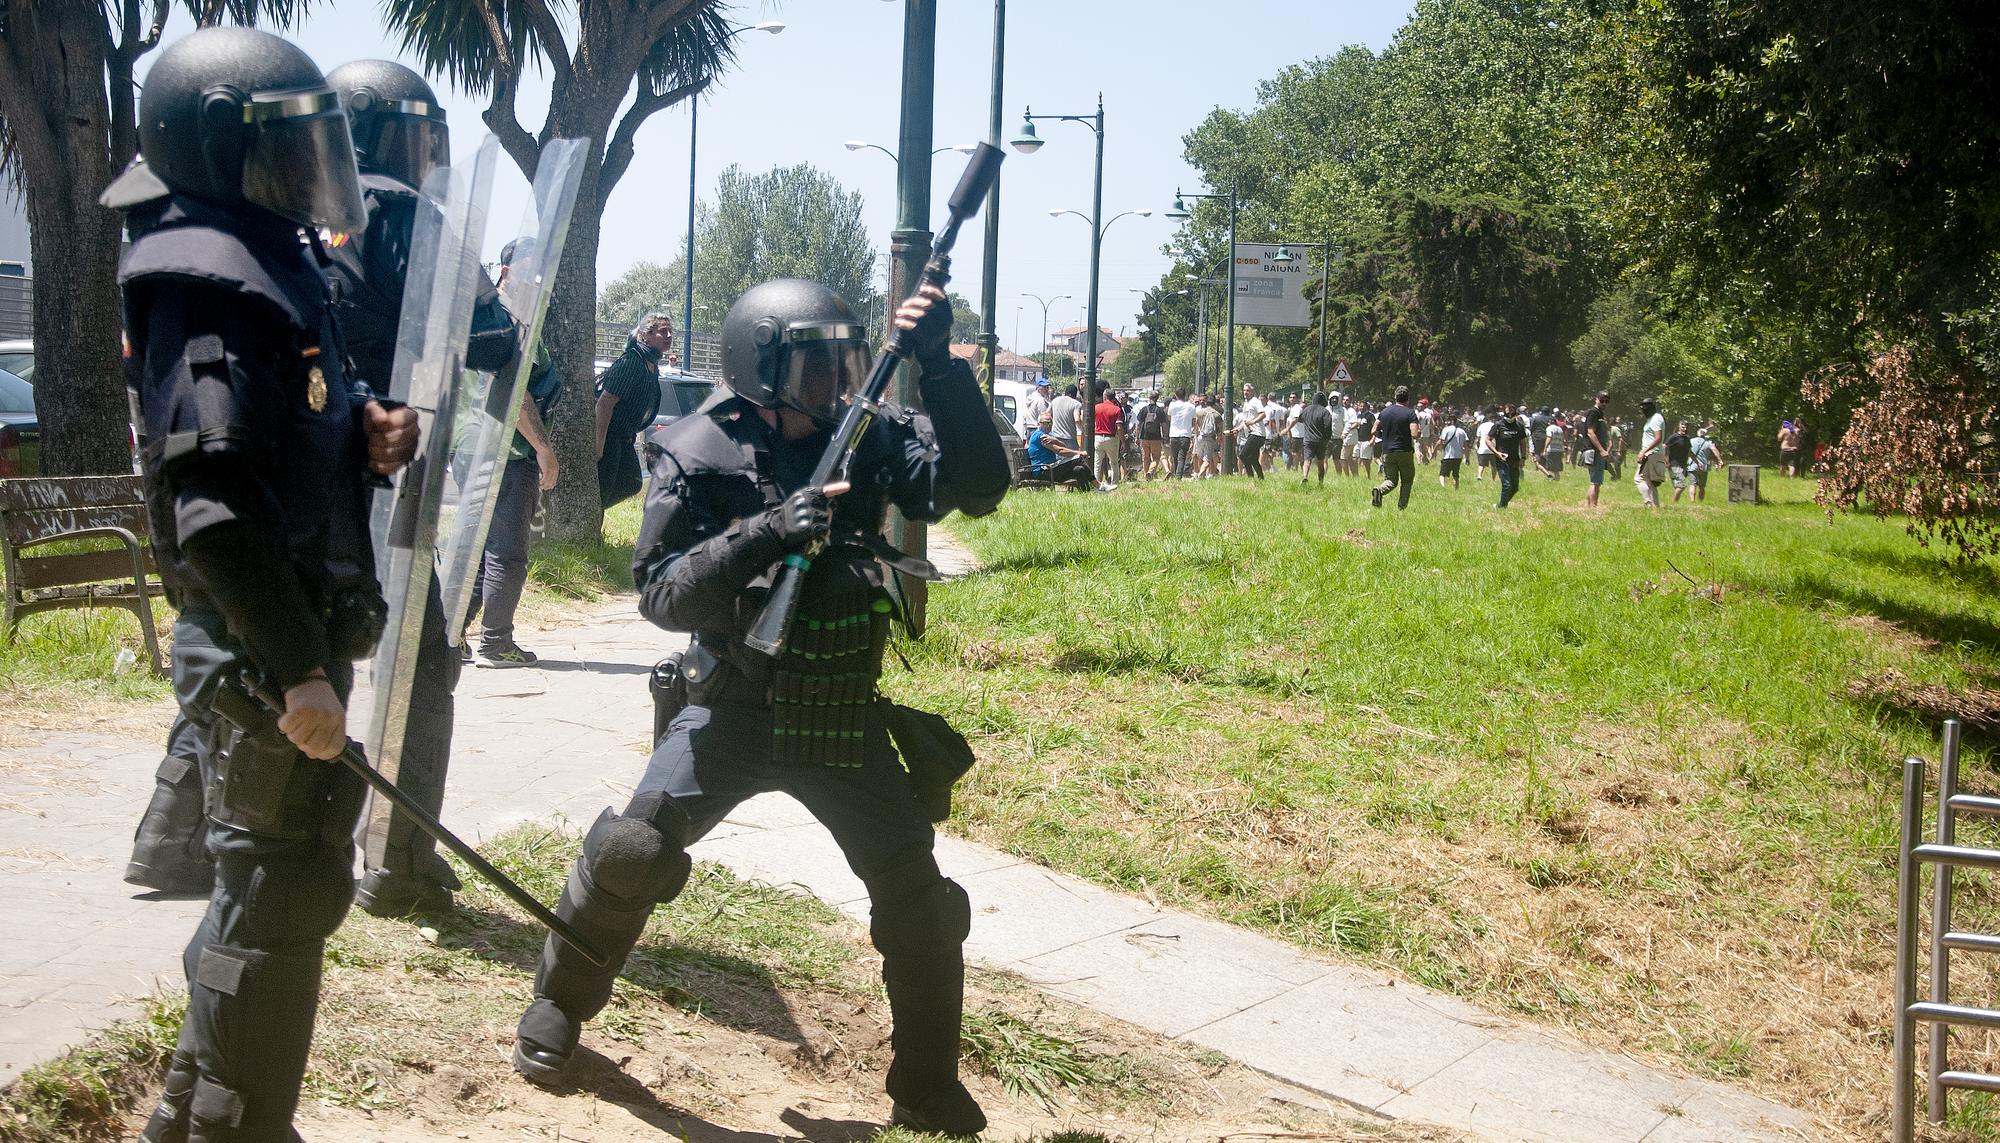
(290, 417)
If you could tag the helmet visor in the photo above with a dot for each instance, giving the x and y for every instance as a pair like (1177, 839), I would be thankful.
(825, 366)
(407, 143)
(299, 163)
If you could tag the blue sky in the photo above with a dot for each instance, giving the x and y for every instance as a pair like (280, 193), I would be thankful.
(834, 74)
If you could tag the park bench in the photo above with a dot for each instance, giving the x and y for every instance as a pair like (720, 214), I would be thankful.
(59, 510)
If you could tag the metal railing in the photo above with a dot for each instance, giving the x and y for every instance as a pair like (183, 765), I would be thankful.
(1936, 1009)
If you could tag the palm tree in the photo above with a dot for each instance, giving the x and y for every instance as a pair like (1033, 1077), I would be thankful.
(68, 125)
(671, 48)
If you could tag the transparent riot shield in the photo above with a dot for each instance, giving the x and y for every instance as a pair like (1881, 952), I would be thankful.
(439, 288)
(490, 403)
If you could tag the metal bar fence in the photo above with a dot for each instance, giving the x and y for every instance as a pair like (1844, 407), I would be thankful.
(1936, 1009)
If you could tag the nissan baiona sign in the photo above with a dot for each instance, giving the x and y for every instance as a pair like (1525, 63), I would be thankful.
(1269, 292)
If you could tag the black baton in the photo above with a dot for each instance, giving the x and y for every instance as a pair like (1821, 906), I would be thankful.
(350, 756)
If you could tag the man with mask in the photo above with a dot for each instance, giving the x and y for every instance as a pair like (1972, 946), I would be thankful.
(400, 136)
(255, 443)
(628, 398)
(727, 506)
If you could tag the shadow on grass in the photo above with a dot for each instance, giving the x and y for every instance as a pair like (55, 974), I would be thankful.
(736, 993)
(1945, 626)
(593, 1072)
(1921, 564)
(1038, 561)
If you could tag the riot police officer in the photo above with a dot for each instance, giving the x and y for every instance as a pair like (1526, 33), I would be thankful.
(400, 135)
(256, 446)
(729, 502)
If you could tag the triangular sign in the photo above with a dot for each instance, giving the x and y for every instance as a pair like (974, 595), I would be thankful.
(1340, 372)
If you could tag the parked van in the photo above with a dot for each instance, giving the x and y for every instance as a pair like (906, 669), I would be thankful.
(1010, 400)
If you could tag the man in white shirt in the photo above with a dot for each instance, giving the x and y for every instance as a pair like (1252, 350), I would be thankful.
(1451, 453)
(1651, 470)
(1207, 438)
(1350, 437)
(1253, 434)
(1035, 409)
(1338, 409)
(1180, 433)
(1295, 427)
(1482, 445)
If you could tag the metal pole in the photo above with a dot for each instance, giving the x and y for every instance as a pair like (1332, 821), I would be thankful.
(1088, 430)
(1229, 360)
(1947, 834)
(1902, 1109)
(687, 286)
(910, 243)
(1319, 359)
(989, 267)
(1201, 336)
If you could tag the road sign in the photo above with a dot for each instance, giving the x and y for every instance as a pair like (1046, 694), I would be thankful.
(1341, 376)
(1270, 292)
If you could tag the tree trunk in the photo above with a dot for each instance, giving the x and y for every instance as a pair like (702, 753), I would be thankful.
(52, 79)
(571, 333)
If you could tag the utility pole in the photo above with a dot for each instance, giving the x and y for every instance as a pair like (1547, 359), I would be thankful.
(910, 243)
(989, 268)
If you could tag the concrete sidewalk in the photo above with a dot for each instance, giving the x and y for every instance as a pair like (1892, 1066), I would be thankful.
(567, 739)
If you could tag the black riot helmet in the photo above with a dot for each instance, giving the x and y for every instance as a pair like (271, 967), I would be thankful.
(399, 129)
(795, 343)
(235, 115)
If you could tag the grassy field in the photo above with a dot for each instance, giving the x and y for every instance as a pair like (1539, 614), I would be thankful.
(1595, 767)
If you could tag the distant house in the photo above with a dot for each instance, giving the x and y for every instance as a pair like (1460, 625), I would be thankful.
(1008, 366)
(1072, 340)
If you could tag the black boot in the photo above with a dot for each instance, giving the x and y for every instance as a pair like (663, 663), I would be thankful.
(926, 998)
(169, 1121)
(169, 849)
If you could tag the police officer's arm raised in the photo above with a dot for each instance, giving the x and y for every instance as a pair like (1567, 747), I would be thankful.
(692, 565)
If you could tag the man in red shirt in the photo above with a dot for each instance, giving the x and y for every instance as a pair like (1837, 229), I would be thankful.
(1110, 419)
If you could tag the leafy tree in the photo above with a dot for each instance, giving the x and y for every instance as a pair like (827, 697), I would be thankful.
(68, 125)
(641, 56)
(646, 287)
(1828, 163)
(1475, 299)
(965, 321)
(791, 222)
(1056, 364)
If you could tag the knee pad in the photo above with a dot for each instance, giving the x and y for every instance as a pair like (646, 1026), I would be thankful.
(638, 858)
(301, 897)
(916, 911)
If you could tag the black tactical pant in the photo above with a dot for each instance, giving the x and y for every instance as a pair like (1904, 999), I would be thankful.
(253, 966)
(168, 851)
(710, 761)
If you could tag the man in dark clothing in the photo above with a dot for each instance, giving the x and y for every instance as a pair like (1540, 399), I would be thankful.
(1510, 441)
(1397, 450)
(1680, 458)
(1317, 421)
(255, 443)
(1594, 451)
(628, 398)
(729, 504)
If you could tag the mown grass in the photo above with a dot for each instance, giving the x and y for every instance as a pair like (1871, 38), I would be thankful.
(561, 574)
(1596, 767)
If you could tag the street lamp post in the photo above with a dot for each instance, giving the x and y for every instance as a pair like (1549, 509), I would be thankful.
(989, 266)
(1180, 213)
(910, 243)
(1284, 255)
(1046, 303)
(1027, 142)
(694, 130)
(860, 144)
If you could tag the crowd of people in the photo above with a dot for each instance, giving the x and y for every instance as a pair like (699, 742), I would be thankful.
(1153, 435)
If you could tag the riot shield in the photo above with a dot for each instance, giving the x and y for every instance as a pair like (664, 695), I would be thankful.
(491, 403)
(438, 292)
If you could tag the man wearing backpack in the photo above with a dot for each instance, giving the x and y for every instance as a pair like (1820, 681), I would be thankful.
(1707, 457)
(1509, 437)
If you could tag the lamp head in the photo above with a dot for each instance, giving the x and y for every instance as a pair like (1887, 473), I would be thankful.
(1027, 142)
(1283, 256)
(1057, 212)
(964, 148)
(771, 26)
(856, 144)
(1144, 212)
(1179, 212)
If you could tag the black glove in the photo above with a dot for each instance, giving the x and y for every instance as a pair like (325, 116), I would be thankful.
(805, 516)
(930, 341)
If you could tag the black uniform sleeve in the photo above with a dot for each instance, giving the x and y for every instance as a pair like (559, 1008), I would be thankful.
(210, 398)
(496, 335)
(971, 464)
(690, 567)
